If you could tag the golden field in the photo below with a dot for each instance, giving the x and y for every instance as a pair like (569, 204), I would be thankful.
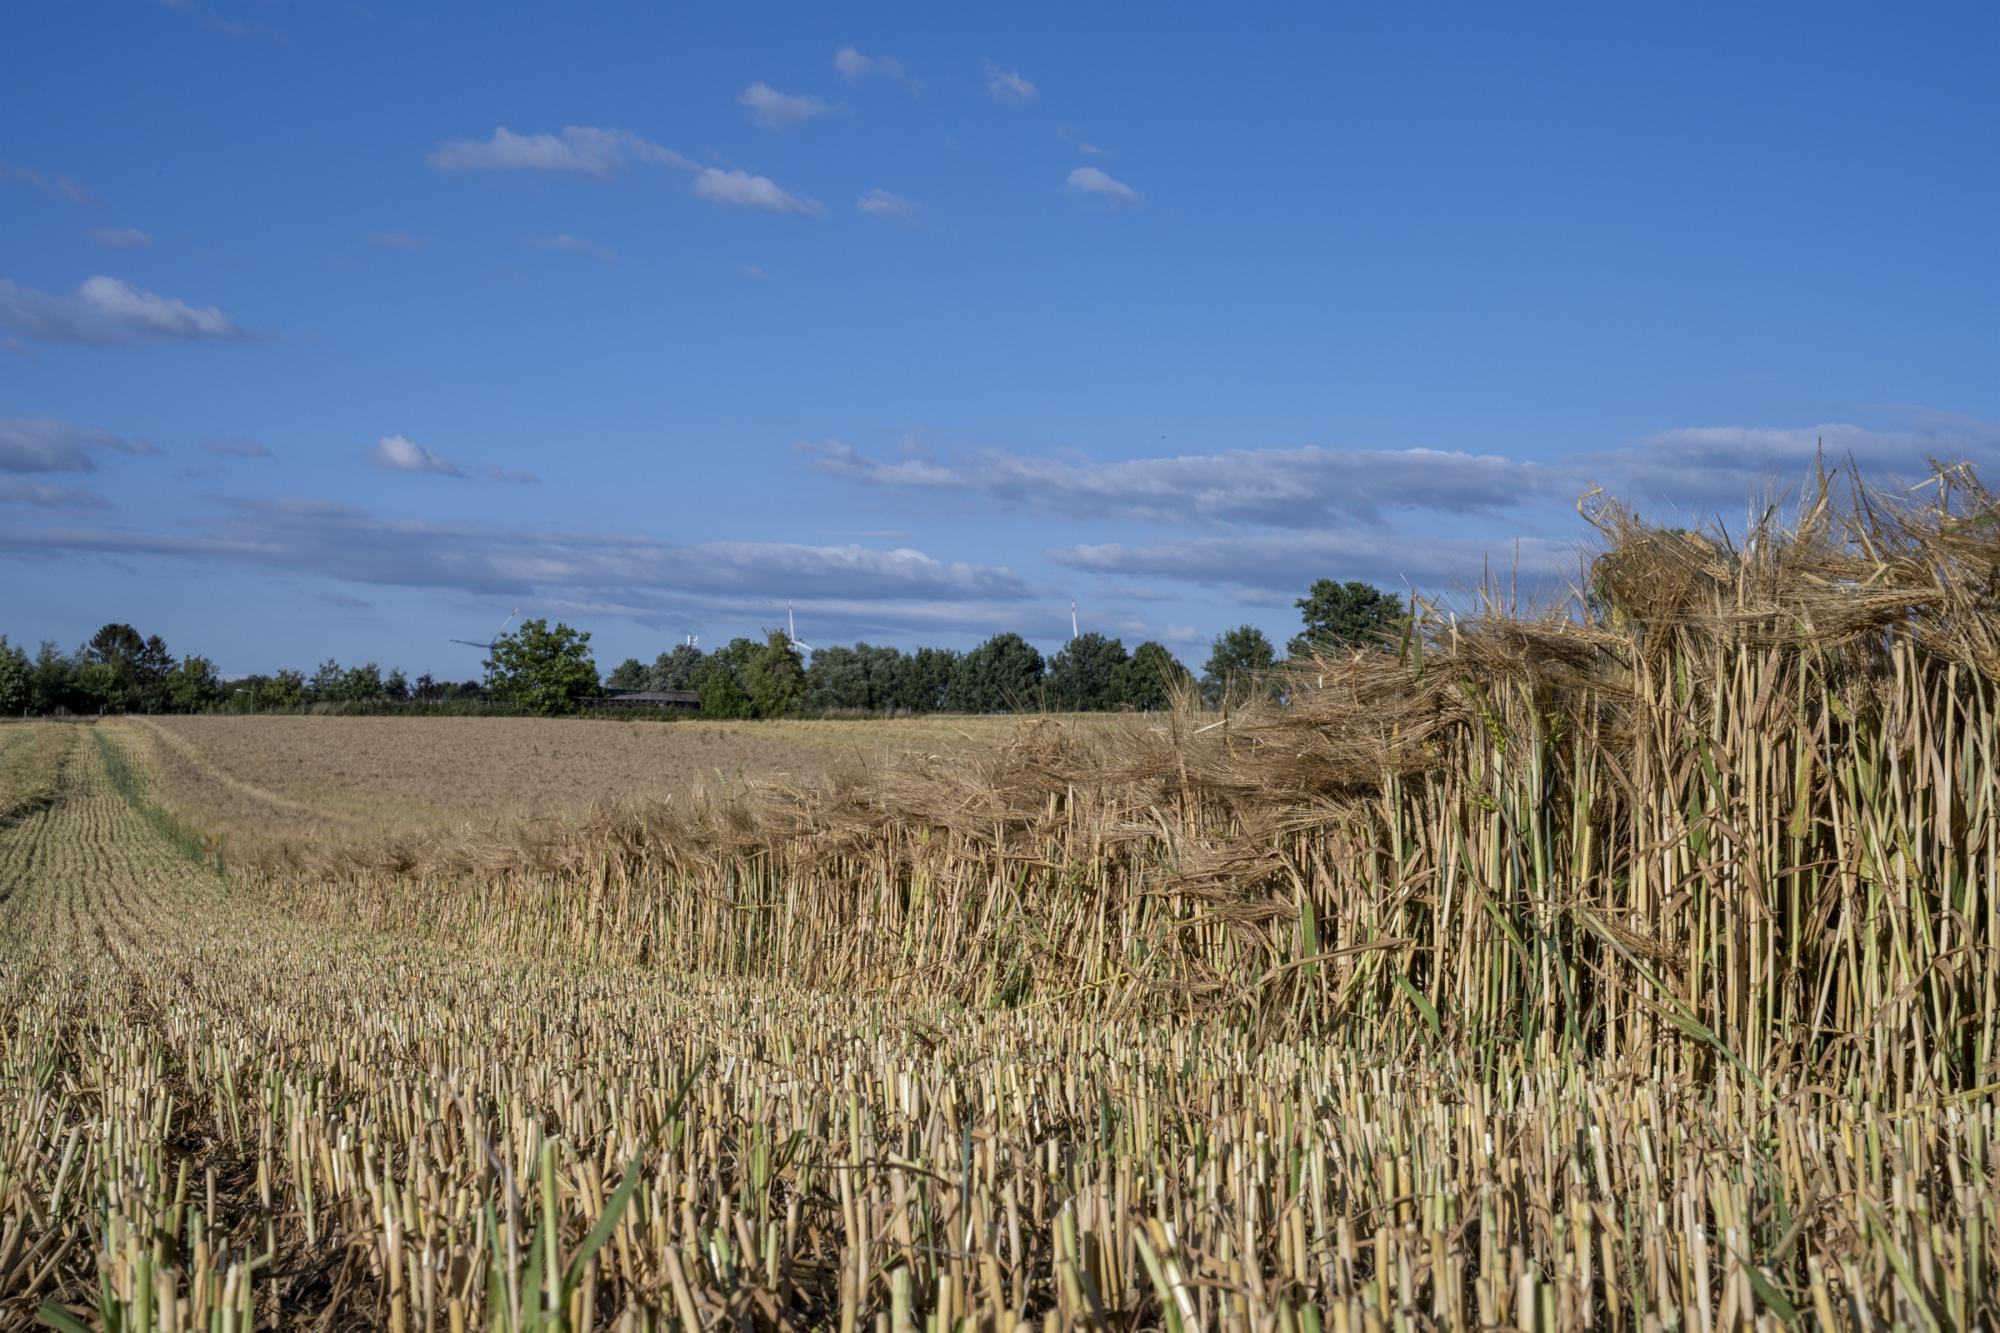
(290, 782)
(1636, 968)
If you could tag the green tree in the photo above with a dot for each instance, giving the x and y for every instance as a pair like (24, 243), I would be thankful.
(721, 696)
(1149, 680)
(1084, 676)
(397, 686)
(922, 678)
(542, 669)
(629, 674)
(1002, 674)
(327, 682)
(193, 686)
(362, 685)
(120, 671)
(1345, 615)
(1239, 664)
(287, 689)
(836, 681)
(52, 683)
(775, 676)
(675, 669)
(16, 679)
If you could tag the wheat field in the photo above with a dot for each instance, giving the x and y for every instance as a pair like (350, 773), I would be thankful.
(1629, 968)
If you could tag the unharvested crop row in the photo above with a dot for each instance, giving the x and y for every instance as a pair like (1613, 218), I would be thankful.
(1747, 815)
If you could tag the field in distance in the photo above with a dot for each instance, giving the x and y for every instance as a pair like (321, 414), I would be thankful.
(278, 778)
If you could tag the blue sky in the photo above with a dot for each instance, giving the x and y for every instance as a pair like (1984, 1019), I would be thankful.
(334, 330)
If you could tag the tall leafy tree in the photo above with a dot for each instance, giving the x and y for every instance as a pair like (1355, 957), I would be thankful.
(362, 684)
(721, 695)
(630, 674)
(16, 679)
(775, 676)
(194, 686)
(121, 671)
(52, 683)
(1001, 674)
(1084, 676)
(327, 681)
(675, 669)
(836, 681)
(542, 669)
(1239, 663)
(1345, 615)
(1149, 680)
(922, 678)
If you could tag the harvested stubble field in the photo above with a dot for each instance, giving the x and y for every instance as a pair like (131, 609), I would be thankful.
(271, 786)
(1631, 974)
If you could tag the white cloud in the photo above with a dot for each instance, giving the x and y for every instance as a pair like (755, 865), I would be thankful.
(856, 67)
(744, 190)
(577, 149)
(575, 245)
(1007, 85)
(1290, 488)
(394, 240)
(108, 310)
(120, 238)
(16, 490)
(1089, 180)
(404, 455)
(882, 204)
(42, 444)
(775, 110)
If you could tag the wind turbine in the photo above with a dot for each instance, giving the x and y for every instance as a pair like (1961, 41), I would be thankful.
(791, 629)
(1073, 635)
(490, 644)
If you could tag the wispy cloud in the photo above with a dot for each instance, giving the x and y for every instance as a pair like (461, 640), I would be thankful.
(1281, 562)
(394, 240)
(743, 190)
(1290, 488)
(399, 454)
(777, 111)
(579, 573)
(63, 186)
(18, 490)
(1007, 85)
(882, 204)
(108, 310)
(1703, 467)
(855, 67)
(236, 446)
(574, 245)
(120, 238)
(1089, 180)
(42, 444)
(577, 149)
(513, 475)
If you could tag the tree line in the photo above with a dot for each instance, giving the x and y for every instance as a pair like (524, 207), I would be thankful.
(548, 669)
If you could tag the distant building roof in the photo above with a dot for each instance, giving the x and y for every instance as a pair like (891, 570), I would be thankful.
(648, 699)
